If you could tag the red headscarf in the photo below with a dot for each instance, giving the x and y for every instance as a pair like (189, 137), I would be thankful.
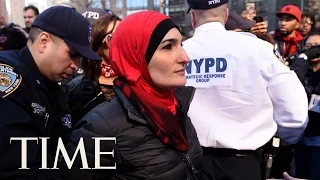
(127, 54)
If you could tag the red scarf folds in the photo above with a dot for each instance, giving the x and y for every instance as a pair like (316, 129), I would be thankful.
(291, 43)
(127, 55)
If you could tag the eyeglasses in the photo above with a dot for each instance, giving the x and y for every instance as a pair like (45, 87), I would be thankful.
(307, 22)
(108, 35)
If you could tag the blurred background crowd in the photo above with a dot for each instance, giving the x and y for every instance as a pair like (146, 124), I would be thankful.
(11, 10)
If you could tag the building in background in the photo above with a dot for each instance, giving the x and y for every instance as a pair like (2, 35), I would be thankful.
(177, 10)
(3, 11)
(313, 6)
(268, 8)
(16, 12)
(16, 9)
(123, 8)
(41, 5)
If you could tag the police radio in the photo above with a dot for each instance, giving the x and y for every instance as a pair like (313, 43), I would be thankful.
(268, 152)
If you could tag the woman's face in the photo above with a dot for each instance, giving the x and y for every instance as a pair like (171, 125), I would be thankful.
(251, 14)
(305, 26)
(167, 65)
(111, 28)
(313, 41)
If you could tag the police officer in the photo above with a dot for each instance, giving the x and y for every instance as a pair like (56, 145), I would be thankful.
(243, 94)
(31, 103)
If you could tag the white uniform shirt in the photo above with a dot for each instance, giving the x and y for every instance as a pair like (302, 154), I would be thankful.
(243, 91)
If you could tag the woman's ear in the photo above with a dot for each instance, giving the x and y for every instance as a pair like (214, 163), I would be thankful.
(107, 39)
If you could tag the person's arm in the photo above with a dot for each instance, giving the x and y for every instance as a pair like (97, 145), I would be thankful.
(289, 99)
(286, 176)
(301, 64)
(290, 105)
(89, 127)
(301, 67)
(259, 27)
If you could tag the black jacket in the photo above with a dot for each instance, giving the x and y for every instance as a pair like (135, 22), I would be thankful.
(311, 82)
(26, 29)
(138, 153)
(31, 106)
(83, 95)
(280, 44)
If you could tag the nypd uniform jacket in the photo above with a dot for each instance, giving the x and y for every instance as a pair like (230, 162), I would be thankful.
(244, 93)
(30, 106)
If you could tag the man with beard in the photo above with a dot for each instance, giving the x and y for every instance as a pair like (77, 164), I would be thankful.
(287, 37)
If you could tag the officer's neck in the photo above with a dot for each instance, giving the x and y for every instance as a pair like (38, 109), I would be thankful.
(36, 55)
(209, 21)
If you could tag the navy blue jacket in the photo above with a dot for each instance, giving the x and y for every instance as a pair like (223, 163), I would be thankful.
(311, 82)
(30, 106)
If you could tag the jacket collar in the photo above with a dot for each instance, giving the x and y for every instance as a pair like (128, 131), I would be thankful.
(132, 112)
(184, 97)
(297, 39)
(216, 26)
(28, 60)
(39, 79)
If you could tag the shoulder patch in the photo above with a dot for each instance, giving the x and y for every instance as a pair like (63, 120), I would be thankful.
(10, 80)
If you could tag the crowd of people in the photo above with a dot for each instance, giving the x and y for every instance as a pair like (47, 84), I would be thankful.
(231, 102)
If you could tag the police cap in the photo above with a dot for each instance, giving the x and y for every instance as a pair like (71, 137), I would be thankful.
(69, 25)
(205, 4)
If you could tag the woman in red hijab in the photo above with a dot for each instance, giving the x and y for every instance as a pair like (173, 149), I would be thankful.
(155, 139)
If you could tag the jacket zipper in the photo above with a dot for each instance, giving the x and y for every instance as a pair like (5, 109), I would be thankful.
(186, 158)
(46, 117)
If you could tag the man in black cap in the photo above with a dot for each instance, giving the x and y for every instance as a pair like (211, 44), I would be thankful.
(243, 94)
(92, 15)
(32, 104)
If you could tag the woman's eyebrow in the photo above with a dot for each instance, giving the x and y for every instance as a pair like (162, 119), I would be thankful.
(172, 40)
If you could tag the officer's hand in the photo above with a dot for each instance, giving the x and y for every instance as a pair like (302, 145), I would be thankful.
(313, 52)
(260, 27)
(286, 176)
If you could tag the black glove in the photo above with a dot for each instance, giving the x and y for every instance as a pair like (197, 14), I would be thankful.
(313, 52)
